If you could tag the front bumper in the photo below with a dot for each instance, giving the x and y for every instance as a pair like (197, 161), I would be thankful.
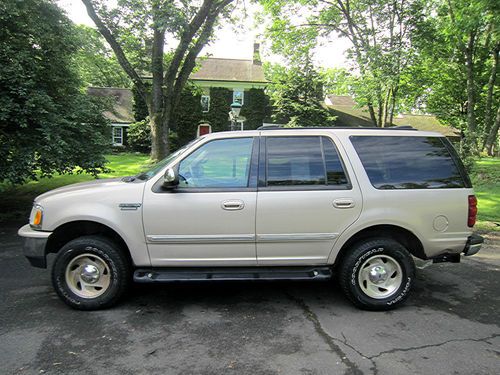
(34, 245)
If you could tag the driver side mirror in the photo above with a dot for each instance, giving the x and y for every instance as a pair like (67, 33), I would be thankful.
(170, 179)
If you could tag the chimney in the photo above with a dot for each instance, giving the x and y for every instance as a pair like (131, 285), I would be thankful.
(256, 54)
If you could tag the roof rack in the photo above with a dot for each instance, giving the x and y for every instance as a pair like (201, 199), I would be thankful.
(280, 127)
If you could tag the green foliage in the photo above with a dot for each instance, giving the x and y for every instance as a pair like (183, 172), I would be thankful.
(47, 125)
(139, 136)
(337, 81)
(188, 116)
(220, 103)
(140, 108)
(297, 94)
(257, 108)
(96, 63)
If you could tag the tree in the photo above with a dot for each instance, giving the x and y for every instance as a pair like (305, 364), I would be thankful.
(96, 63)
(47, 124)
(296, 94)
(136, 32)
(380, 33)
(458, 61)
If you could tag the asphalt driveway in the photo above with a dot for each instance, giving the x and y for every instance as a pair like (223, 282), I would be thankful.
(449, 326)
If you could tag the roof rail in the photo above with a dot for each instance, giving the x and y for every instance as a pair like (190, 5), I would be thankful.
(280, 127)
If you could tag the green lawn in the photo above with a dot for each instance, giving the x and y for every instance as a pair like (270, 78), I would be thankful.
(15, 201)
(486, 181)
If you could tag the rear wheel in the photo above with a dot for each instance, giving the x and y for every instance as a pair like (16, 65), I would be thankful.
(377, 274)
(90, 273)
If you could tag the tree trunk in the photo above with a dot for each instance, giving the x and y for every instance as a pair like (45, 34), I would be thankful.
(492, 137)
(393, 104)
(379, 110)
(386, 107)
(159, 141)
(371, 110)
(489, 96)
(471, 94)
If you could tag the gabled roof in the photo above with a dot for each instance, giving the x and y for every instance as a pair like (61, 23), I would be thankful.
(344, 107)
(122, 111)
(217, 69)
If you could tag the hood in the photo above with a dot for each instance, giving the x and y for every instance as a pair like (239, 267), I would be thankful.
(81, 187)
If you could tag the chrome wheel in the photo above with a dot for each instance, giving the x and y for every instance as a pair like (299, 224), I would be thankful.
(380, 276)
(88, 276)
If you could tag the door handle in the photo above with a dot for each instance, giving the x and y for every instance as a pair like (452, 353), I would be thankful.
(343, 203)
(233, 205)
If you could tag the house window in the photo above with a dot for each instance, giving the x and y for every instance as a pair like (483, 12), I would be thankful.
(205, 103)
(238, 96)
(117, 136)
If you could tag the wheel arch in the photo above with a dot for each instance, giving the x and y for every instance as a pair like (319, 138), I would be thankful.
(408, 239)
(74, 229)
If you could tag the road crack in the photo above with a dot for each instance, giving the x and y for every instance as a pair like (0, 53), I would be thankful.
(352, 368)
(395, 350)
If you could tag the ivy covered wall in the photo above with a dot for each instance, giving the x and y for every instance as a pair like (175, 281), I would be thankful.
(256, 109)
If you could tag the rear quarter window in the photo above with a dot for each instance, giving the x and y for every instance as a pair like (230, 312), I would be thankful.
(399, 162)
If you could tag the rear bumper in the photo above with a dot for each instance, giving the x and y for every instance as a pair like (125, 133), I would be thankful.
(473, 244)
(34, 245)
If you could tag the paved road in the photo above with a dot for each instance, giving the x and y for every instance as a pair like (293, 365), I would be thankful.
(450, 326)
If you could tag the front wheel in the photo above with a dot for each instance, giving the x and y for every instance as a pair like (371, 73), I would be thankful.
(377, 274)
(90, 273)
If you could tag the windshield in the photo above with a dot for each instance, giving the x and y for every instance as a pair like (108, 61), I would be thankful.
(162, 163)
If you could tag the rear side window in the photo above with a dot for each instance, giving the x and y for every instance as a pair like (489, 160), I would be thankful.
(395, 162)
(303, 161)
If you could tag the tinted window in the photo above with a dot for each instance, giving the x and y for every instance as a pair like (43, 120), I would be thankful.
(221, 163)
(407, 162)
(334, 169)
(303, 161)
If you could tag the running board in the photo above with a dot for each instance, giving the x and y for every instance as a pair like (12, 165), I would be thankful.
(166, 275)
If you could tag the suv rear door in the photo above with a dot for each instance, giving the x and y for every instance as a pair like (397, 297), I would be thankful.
(306, 197)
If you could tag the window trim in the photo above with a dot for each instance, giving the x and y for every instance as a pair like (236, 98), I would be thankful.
(451, 151)
(242, 95)
(252, 175)
(113, 137)
(262, 181)
(208, 107)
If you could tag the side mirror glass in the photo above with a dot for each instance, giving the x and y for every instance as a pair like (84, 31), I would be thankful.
(170, 179)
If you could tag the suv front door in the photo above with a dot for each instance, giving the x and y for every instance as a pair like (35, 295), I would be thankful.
(305, 200)
(209, 219)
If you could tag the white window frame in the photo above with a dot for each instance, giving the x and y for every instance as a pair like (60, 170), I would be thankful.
(117, 139)
(236, 92)
(208, 101)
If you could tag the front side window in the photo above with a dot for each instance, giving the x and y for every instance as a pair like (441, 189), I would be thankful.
(223, 163)
(396, 162)
(303, 161)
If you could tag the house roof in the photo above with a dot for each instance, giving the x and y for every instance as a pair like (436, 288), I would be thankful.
(348, 115)
(217, 69)
(122, 109)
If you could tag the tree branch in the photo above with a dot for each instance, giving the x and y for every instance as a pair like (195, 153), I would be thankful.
(117, 49)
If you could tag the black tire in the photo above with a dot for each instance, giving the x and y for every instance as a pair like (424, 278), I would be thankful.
(398, 271)
(96, 250)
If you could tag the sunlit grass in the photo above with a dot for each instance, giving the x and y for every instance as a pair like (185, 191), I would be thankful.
(15, 201)
(486, 181)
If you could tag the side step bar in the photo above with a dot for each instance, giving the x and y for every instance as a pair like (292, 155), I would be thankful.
(166, 275)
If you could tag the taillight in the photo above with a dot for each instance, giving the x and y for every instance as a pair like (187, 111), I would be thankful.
(471, 219)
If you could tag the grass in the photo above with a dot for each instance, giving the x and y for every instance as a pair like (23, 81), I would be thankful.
(486, 181)
(15, 201)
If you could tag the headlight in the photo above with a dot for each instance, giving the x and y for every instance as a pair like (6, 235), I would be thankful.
(36, 217)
